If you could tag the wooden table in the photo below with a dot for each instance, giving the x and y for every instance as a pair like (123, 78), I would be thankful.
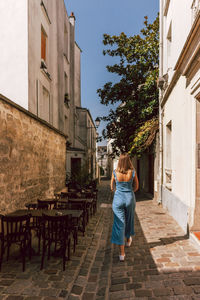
(53, 212)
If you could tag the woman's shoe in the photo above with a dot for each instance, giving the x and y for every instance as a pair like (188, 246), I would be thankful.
(128, 244)
(121, 257)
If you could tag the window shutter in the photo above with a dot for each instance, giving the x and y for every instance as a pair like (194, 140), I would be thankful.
(43, 45)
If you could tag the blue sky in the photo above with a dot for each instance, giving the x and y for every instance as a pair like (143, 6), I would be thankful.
(93, 19)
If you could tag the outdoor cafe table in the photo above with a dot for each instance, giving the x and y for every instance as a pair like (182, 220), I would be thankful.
(53, 212)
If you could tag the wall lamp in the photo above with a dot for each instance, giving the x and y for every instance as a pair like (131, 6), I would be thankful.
(97, 123)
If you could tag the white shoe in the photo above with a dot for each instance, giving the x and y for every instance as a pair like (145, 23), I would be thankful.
(128, 244)
(121, 257)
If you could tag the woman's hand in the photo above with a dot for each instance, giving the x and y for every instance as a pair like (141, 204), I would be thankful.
(112, 183)
(135, 183)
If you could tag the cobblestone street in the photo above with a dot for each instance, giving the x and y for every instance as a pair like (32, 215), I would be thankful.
(160, 264)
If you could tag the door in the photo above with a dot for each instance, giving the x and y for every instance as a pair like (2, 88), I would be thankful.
(75, 167)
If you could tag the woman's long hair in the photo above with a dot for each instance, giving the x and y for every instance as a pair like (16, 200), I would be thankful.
(124, 164)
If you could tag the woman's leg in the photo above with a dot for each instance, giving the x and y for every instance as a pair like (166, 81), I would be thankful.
(118, 227)
(122, 252)
(129, 220)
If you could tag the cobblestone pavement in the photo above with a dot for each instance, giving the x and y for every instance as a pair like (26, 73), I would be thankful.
(160, 264)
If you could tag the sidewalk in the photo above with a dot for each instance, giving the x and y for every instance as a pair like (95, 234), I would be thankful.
(160, 264)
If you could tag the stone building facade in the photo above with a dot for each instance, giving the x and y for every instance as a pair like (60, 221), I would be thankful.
(179, 84)
(32, 157)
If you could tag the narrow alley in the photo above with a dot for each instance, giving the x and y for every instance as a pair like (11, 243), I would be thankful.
(160, 264)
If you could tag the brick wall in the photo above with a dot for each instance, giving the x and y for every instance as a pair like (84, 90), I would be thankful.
(32, 157)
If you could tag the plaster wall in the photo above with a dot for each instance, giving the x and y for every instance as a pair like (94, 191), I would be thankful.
(14, 50)
(179, 17)
(180, 111)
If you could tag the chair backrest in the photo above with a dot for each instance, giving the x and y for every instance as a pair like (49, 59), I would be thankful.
(78, 204)
(42, 204)
(14, 226)
(55, 228)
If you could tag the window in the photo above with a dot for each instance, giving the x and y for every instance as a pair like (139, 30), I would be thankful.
(43, 45)
(169, 45)
(65, 124)
(168, 144)
(66, 83)
(166, 7)
(44, 109)
(66, 95)
(169, 39)
(65, 41)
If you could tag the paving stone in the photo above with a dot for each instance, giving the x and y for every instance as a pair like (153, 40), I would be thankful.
(63, 294)
(120, 280)
(101, 291)
(33, 298)
(92, 278)
(116, 287)
(72, 297)
(121, 295)
(77, 289)
(49, 292)
(6, 282)
(94, 270)
(132, 286)
(14, 297)
(88, 296)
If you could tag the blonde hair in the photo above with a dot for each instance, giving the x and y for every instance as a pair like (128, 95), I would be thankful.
(124, 164)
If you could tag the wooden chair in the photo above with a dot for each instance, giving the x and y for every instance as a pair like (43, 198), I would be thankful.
(80, 205)
(74, 224)
(47, 204)
(42, 204)
(55, 230)
(15, 230)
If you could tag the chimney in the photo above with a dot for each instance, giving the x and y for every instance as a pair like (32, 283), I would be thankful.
(72, 19)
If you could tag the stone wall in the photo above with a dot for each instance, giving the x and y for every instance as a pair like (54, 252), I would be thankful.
(32, 157)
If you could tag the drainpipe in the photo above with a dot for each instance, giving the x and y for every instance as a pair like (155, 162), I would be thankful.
(160, 109)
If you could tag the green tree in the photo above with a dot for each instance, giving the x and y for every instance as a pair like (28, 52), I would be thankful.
(136, 92)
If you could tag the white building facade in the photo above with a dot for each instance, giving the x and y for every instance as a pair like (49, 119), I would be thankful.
(40, 66)
(179, 82)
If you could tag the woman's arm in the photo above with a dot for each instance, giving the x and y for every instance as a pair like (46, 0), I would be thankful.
(112, 182)
(135, 183)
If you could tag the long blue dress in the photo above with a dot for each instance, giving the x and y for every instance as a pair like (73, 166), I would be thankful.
(124, 209)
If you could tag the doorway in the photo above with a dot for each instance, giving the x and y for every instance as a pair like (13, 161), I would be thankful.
(75, 167)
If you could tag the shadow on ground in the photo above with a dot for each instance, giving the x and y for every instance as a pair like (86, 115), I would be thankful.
(140, 277)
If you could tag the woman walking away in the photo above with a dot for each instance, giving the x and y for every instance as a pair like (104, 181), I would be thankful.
(123, 206)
